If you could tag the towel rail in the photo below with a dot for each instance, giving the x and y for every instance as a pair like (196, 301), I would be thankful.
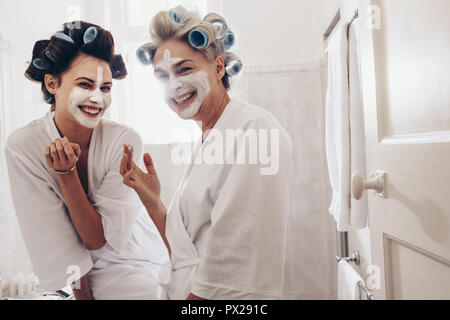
(355, 15)
(334, 22)
(355, 257)
(366, 291)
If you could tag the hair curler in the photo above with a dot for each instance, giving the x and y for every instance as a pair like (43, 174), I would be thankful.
(144, 55)
(218, 23)
(49, 56)
(175, 17)
(201, 36)
(90, 34)
(220, 29)
(228, 40)
(71, 32)
(40, 64)
(234, 67)
(64, 37)
(117, 67)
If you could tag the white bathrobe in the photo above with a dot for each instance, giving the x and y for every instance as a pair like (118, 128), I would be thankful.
(226, 224)
(127, 266)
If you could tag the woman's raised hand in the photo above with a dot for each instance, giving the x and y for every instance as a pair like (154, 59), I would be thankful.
(146, 185)
(62, 155)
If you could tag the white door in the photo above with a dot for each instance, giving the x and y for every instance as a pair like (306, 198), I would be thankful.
(405, 69)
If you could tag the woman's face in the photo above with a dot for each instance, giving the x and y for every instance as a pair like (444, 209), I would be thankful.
(84, 91)
(189, 79)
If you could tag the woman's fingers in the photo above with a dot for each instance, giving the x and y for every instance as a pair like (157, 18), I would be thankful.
(76, 149)
(129, 151)
(60, 150)
(61, 154)
(53, 152)
(68, 149)
(128, 164)
(123, 164)
(148, 161)
(128, 179)
(48, 158)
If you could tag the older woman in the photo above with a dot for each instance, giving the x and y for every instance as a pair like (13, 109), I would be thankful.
(226, 225)
(79, 222)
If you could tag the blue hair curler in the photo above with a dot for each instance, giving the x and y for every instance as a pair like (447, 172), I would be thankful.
(220, 29)
(175, 17)
(198, 38)
(90, 34)
(228, 41)
(40, 64)
(49, 56)
(144, 56)
(71, 32)
(233, 68)
(64, 37)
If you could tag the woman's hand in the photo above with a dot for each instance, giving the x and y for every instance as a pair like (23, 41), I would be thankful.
(148, 188)
(61, 155)
(146, 185)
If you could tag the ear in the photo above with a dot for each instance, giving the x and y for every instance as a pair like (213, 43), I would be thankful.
(51, 83)
(220, 68)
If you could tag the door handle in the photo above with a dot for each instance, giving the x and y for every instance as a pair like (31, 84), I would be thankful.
(374, 182)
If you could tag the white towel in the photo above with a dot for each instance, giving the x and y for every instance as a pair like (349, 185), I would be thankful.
(348, 278)
(337, 127)
(345, 139)
(358, 208)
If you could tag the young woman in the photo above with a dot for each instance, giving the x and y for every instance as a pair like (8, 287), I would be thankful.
(79, 223)
(226, 225)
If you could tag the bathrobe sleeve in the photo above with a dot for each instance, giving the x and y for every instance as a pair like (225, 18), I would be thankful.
(246, 243)
(56, 252)
(118, 204)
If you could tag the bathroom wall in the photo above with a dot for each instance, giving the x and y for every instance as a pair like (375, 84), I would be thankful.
(26, 21)
(279, 32)
(19, 104)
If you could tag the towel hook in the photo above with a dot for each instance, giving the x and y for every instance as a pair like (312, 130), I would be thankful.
(355, 257)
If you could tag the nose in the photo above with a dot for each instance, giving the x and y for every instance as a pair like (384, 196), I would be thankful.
(175, 86)
(95, 96)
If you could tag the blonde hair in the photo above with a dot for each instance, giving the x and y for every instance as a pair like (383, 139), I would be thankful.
(180, 24)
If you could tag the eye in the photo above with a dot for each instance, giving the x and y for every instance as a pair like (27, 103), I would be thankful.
(105, 89)
(185, 69)
(161, 76)
(84, 85)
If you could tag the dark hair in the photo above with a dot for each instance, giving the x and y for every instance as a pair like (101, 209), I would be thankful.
(55, 56)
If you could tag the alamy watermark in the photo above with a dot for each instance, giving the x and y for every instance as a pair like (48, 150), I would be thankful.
(73, 280)
(234, 146)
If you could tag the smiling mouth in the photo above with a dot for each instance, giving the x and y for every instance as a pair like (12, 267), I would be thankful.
(90, 111)
(184, 100)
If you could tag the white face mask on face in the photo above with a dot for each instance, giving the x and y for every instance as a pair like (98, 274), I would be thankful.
(184, 94)
(88, 106)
